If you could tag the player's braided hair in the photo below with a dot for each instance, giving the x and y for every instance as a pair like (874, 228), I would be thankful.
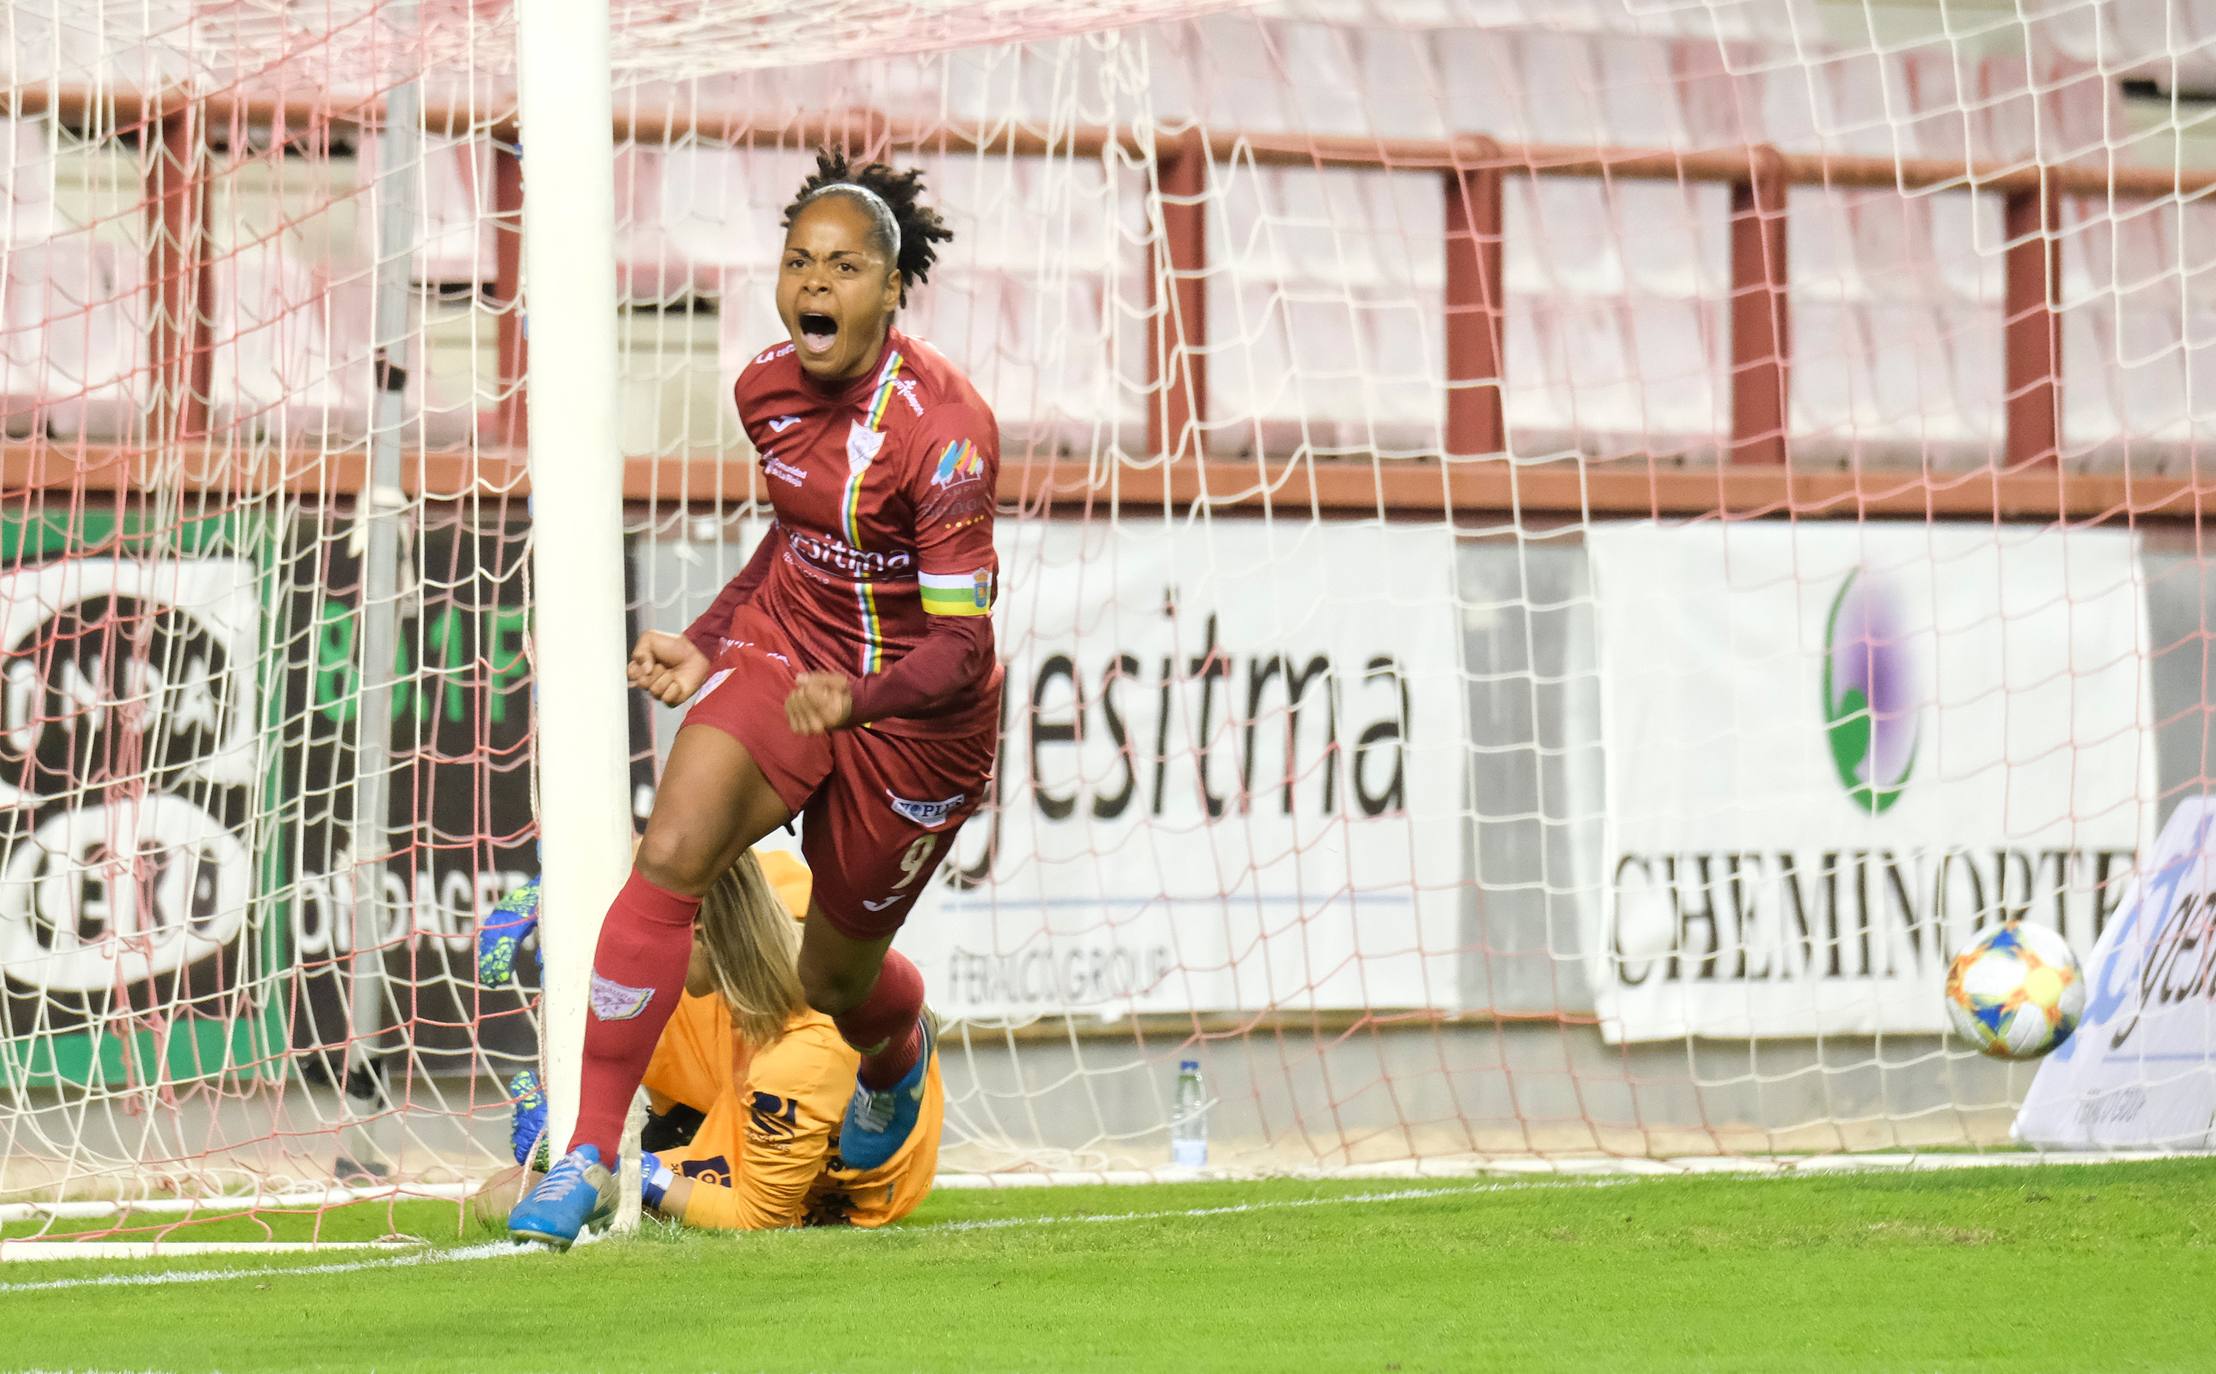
(906, 229)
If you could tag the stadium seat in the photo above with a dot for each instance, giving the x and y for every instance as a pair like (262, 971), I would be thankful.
(1862, 104)
(1603, 409)
(454, 200)
(96, 381)
(1481, 85)
(1969, 243)
(26, 182)
(650, 270)
(1570, 238)
(2004, 118)
(1562, 95)
(1317, 60)
(1718, 90)
(1402, 85)
(1830, 377)
(1970, 345)
(1402, 375)
(291, 356)
(1680, 355)
(1245, 85)
(1634, 96)
(23, 361)
(1535, 379)
(1676, 237)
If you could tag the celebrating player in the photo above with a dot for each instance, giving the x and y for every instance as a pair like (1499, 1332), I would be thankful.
(850, 680)
(749, 1084)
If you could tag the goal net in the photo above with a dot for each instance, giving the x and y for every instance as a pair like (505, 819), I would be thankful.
(1558, 558)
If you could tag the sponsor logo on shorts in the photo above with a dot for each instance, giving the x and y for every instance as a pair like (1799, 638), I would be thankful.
(763, 650)
(612, 1001)
(928, 814)
(882, 903)
(715, 1168)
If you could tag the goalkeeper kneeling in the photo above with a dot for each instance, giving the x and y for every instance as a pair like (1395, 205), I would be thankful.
(748, 1084)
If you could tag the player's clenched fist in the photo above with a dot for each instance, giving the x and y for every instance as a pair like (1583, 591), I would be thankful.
(819, 704)
(668, 668)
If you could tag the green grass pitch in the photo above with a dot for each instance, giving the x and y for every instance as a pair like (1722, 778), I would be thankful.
(2045, 1267)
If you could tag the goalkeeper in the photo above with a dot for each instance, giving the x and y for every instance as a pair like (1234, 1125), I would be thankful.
(747, 1083)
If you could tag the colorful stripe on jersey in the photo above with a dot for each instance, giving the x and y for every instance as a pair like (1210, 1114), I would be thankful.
(968, 593)
(884, 392)
(850, 517)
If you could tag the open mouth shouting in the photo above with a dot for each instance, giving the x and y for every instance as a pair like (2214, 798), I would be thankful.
(818, 333)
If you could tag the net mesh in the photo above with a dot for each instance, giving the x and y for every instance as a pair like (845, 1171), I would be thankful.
(1327, 340)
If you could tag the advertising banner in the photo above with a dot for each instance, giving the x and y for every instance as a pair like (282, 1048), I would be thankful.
(1231, 776)
(462, 831)
(131, 712)
(2140, 1072)
(1835, 750)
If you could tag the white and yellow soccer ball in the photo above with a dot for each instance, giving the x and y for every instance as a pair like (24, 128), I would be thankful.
(2015, 991)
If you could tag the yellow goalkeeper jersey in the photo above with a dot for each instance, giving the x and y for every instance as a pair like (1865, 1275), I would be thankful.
(766, 1156)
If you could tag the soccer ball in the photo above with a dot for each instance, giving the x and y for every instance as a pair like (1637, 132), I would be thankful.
(2015, 991)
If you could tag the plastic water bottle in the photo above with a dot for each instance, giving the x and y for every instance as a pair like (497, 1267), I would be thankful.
(1189, 1121)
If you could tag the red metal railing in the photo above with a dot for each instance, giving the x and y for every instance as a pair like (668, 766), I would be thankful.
(1473, 172)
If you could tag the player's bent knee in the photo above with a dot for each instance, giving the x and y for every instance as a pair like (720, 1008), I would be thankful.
(835, 992)
(676, 860)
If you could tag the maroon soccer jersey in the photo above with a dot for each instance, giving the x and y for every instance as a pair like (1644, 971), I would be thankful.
(884, 497)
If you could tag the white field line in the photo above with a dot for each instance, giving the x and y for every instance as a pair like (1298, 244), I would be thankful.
(492, 1249)
(218, 1204)
(1565, 1166)
(14, 1251)
(1563, 1179)
(495, 1249)
(1230, 1209)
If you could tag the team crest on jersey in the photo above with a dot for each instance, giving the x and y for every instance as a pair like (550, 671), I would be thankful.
(962, 462)
(928, 814)
(862, 445)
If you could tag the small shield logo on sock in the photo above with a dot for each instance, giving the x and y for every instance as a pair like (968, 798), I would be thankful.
(612, 1001)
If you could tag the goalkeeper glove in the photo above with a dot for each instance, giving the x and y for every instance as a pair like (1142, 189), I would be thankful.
(503, 931)
(527, 1128)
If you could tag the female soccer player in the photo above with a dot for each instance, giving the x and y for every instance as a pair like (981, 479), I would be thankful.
(749, 1083)
(849, 672)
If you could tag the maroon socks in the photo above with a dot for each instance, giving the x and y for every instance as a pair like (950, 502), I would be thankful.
(884, 1026)
(638, 973)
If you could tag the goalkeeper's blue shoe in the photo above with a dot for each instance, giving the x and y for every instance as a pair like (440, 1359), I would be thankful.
(527, 1128)
(880, 1120)
(502, 933)
(578, 1193)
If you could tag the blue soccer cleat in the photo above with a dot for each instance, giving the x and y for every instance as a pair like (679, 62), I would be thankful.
(579, 1193)
(527, 1128)
(880, 1120)
(503, 932)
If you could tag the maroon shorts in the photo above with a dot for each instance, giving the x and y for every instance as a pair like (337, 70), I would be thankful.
(878, 811)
